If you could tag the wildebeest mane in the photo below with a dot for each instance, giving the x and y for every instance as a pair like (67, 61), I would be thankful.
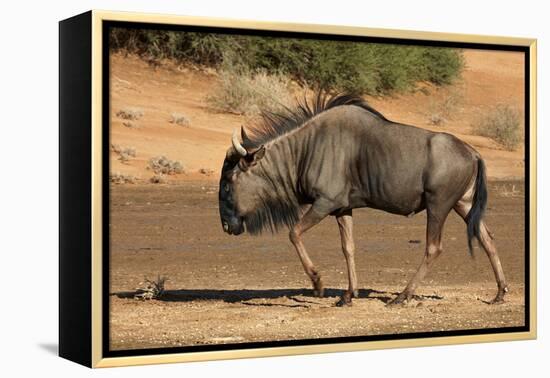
(276, 124)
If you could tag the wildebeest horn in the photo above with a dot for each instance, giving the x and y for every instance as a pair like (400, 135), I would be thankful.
(237, 144)
(244, 137)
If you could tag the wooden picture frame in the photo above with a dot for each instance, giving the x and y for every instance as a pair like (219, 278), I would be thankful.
(86, 113)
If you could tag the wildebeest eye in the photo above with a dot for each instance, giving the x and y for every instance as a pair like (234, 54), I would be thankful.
(226, 187)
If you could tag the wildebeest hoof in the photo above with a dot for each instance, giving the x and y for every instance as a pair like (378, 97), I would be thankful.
(345, 300)
(498, 300)
(318, 289)
(319, 292)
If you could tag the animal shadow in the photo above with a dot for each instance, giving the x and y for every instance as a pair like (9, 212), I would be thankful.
(244, 295)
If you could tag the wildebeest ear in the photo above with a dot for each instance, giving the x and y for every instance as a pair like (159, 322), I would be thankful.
(252, 158)
(258, 154)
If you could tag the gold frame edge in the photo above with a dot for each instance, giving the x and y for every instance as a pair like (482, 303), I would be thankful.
(98, 16)
(97, 195)
(533, 187)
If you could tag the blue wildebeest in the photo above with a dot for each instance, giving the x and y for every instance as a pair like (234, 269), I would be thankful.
(336, 154)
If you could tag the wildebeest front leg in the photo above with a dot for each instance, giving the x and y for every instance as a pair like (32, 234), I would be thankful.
(345, 223)
(310, 219)
(433, 250)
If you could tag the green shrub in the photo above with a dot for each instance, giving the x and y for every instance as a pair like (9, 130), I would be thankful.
(358, 67)
(502, 125)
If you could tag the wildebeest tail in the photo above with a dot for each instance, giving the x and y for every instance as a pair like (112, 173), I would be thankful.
(479, 203)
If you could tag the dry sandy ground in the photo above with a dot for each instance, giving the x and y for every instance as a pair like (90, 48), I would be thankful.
(225, 289)
(490, 78)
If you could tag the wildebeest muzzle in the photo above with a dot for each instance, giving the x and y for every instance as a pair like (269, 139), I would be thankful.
(234, 226)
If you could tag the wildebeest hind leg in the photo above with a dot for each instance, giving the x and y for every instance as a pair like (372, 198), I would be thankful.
(433, 250)
(486, 240)
(310, 219)
(345, 224)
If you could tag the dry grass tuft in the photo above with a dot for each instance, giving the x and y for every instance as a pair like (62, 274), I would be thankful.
(130, 125)
(132, 114)
(151, 289)
(503, 125)
(206, 171)
(158, 179)
(509, 191)
(124, 153)
(445, 105)
(180, 119)
(163, 165)
(249, 93)
(121, 178)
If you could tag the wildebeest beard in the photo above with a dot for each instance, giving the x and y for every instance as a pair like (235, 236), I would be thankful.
(272, 214)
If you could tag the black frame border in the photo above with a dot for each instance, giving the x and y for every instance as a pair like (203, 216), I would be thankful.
(106, 352)
(75, 184)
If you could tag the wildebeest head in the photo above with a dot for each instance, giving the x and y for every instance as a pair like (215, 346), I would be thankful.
(238, 192)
